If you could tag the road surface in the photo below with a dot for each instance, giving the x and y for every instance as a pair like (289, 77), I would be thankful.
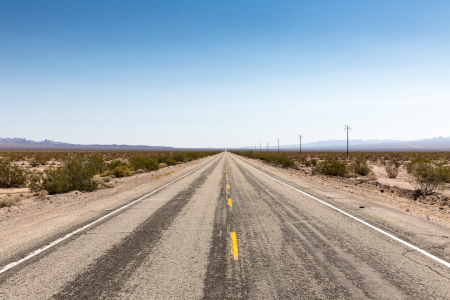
(227, 230)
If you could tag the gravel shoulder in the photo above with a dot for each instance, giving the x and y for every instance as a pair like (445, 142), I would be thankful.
(36, 222)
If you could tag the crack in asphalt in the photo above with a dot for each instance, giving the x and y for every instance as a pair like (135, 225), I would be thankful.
(424, 265)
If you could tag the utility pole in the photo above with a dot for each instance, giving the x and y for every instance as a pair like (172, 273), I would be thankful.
(278, 146)
(300, 143)
(347, 128)
(267, 147)
(260, 147)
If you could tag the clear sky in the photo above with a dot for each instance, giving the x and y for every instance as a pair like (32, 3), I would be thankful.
(223, 73)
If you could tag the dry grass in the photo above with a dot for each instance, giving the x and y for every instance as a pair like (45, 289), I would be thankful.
(9, 201)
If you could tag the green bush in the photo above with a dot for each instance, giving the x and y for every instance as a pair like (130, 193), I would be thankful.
(179, 157)
(138, 162)
(359, 166)
(145, 163)
(332, 167)
(97, 163)
(427, 175)
(11, 175)
(116, 163)
(74, 174)
(163, 159)
(171, 162)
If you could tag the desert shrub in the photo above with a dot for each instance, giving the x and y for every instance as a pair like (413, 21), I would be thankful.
(171, 162)
(9, 201)
(121, 171)
(163, 159)
(74, 174)
(179, 157)
(42, 194)
(152, 165)
(143, 163)
(97, 163)
(11, 176)
(391, 170)
(310, 163)
(139, 162)
(332, 167)
(34, 163)
(359, 166)
(427, 175)
(115, 163)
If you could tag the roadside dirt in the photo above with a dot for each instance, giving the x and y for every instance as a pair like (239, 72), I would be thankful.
(33, 220)
(391, 192)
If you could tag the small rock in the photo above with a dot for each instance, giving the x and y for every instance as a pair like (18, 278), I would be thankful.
(441, 208)
(382, 191)
(361, 206)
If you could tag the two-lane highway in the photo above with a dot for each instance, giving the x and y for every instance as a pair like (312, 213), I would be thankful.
(232, 229)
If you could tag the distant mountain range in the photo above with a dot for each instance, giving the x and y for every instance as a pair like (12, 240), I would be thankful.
(24, 144)
(434, 144)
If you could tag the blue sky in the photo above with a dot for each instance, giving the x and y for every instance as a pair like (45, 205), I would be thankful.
(223, 73)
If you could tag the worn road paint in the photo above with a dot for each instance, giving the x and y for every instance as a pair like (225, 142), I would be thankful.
(234, 245)
(228, 186)
(229, 202)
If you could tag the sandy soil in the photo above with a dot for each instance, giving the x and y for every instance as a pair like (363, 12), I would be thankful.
(402, 180)
(434, 207)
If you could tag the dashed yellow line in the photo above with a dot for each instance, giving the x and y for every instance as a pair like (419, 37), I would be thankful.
(229, 202)
(228, 186)
(234, 245)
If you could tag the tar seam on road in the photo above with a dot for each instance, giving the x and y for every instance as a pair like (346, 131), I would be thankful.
(357, 219)
(40, 250)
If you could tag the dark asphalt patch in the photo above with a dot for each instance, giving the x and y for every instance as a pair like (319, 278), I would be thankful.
(224, 278)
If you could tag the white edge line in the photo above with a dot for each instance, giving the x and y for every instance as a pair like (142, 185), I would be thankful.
(55, 242)
(359, 220)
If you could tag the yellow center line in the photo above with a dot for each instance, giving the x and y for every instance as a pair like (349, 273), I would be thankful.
(229, 202)
(234, 245)
(228, 186)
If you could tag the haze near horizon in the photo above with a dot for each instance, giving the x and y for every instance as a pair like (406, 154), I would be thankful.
(200, 74)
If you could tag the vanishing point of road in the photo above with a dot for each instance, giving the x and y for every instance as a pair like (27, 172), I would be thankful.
(233, 229)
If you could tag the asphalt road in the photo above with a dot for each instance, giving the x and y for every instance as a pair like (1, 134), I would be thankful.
(228, 231)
